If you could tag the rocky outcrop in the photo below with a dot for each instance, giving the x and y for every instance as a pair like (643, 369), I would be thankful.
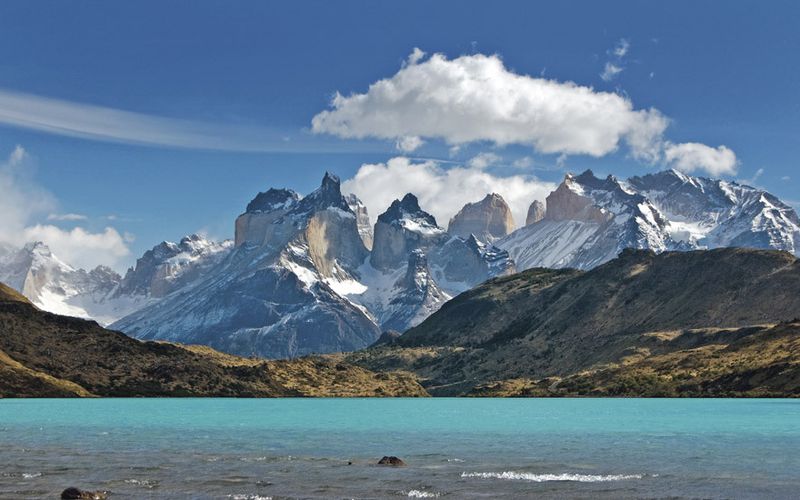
(417, 295)
(387, 338)
(77, 494)
(258, 225)
(362, 219)
(392, 461)
(536, 212)
(403, 228)
(488, 219)
(569, 202)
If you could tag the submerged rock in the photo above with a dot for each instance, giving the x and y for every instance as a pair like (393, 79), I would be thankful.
(392, 460)
(76, 494)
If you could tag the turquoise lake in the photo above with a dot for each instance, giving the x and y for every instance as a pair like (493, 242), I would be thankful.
(455, 448)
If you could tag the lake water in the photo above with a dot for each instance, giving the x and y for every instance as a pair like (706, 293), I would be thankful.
(456, 448)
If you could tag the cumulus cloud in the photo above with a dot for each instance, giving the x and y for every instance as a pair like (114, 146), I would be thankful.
(476, 98)
(690, 156)
(441, 192)
(22, 201)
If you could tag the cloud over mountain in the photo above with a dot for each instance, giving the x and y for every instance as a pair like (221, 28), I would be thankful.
(441, 192)
(475, 98)
(22, 200)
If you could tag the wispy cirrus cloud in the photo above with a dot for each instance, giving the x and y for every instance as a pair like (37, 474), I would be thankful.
(617, 65)
(66, 217)
(89, 121)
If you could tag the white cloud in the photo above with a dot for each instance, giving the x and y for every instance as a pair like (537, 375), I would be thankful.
(483, 160)
(616, 66)
(690, 156)
(610, 71)
(753, 180)
(66, 217)
(620, 50)
(441, 192)
(109, 124)
(409, 143)
(416, 55)
(22, 201)
(79, 247)
(475, 98)
(524, 162)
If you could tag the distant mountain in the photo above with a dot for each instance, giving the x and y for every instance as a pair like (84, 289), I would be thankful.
(47, 355)
(588, 221)
(690, 323)
(102, 294)
(487, 220)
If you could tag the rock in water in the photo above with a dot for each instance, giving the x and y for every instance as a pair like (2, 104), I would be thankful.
(392, 460)
(536, 212)
(488, 219)
(76, 494)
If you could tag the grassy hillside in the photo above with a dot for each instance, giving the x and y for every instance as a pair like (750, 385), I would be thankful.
(46, 355)
(520, 334)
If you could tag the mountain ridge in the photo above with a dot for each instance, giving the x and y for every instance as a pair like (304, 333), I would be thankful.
(545, 324)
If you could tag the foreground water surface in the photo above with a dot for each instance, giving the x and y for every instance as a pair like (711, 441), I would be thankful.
(458, 448)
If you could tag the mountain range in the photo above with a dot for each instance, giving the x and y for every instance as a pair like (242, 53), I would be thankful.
(310, 274)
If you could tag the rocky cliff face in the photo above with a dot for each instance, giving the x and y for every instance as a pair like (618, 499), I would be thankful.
(403, 228)
(536, 212)
(279, 293)
(488, 219)
(362, 219)
(416, 297)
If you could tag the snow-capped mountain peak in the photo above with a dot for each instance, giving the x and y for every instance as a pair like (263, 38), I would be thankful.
(589, 220)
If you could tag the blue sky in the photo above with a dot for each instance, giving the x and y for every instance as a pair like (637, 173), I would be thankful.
(255, 74)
